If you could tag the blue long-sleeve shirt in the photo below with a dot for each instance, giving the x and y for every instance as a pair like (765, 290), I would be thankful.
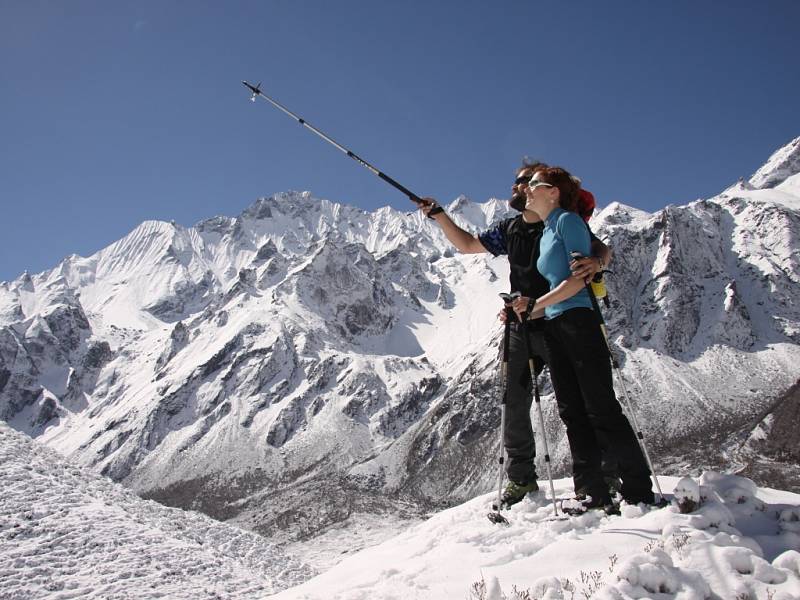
(564, 233)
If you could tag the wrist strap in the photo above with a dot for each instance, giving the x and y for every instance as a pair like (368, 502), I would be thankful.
(528, 309)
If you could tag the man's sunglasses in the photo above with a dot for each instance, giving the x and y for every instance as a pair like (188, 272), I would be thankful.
(522, 179)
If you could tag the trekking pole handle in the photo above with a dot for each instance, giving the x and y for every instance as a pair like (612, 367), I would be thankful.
(511, 315)
(510, 318)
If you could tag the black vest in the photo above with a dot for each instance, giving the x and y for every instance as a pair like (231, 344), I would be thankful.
(522, 245)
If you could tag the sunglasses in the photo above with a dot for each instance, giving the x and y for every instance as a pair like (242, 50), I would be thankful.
(522, 179)
(534, 183)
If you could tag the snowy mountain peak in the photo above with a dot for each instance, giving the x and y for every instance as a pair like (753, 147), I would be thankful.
(784, 163)
(476, 216)
(617, 213)
(216, 225)
(260, 209)
(459, 204)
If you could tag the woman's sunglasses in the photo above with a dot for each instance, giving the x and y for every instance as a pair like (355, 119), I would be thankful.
(534, 183)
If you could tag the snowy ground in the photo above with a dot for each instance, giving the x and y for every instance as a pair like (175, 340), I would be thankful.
(65, 533)
(345, 539)
(741, 543)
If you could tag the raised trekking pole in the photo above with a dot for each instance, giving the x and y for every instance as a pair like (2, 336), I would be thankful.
(623, 387)
(495, 516)
(256, 93)
(537, 399)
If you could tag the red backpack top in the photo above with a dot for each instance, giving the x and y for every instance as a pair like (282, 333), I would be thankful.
(585, 204)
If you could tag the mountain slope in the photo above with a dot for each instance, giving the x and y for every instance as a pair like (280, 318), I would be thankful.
(66, 533)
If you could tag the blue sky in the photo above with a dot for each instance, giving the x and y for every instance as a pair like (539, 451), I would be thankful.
(112, 113)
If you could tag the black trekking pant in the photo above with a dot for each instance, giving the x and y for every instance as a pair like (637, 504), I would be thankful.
(518, 433)
(597, 430)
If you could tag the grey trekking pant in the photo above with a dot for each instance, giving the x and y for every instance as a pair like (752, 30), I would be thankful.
(518, 434)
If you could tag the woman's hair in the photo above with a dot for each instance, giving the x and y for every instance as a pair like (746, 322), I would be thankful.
(567, 186)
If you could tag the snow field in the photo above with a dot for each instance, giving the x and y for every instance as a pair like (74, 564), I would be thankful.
(65, 533)
(644, 553)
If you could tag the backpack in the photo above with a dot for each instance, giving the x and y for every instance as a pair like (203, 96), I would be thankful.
(586, 204)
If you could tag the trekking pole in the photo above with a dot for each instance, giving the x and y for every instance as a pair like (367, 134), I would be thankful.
(256, 90)
(625, 397)
(496, 517)
(537, 399)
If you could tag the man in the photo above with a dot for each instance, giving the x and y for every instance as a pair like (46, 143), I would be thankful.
(518, 238)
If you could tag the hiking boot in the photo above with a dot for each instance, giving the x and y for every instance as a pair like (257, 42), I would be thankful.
(613, 483)
(646, 498)
(582, 503)
(516, 490)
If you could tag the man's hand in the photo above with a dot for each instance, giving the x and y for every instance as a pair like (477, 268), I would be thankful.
(427, 205)
(508, 305)
(585, 268)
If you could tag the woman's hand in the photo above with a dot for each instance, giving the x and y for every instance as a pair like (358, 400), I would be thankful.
(520, 305)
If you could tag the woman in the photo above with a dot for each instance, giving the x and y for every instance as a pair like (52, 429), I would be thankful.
(580, 368)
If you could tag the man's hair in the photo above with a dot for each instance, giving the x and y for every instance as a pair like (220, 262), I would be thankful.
(567, 186)
(531, 165)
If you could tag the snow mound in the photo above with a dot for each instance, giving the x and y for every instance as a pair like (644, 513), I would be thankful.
(65, 533)
(740, 541)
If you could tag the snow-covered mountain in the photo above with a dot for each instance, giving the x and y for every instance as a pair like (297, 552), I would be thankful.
(307, 364)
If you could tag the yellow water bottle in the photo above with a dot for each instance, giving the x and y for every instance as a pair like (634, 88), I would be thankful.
(599, 286)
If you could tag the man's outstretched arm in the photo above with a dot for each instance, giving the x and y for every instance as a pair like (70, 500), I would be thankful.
(464, 241)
